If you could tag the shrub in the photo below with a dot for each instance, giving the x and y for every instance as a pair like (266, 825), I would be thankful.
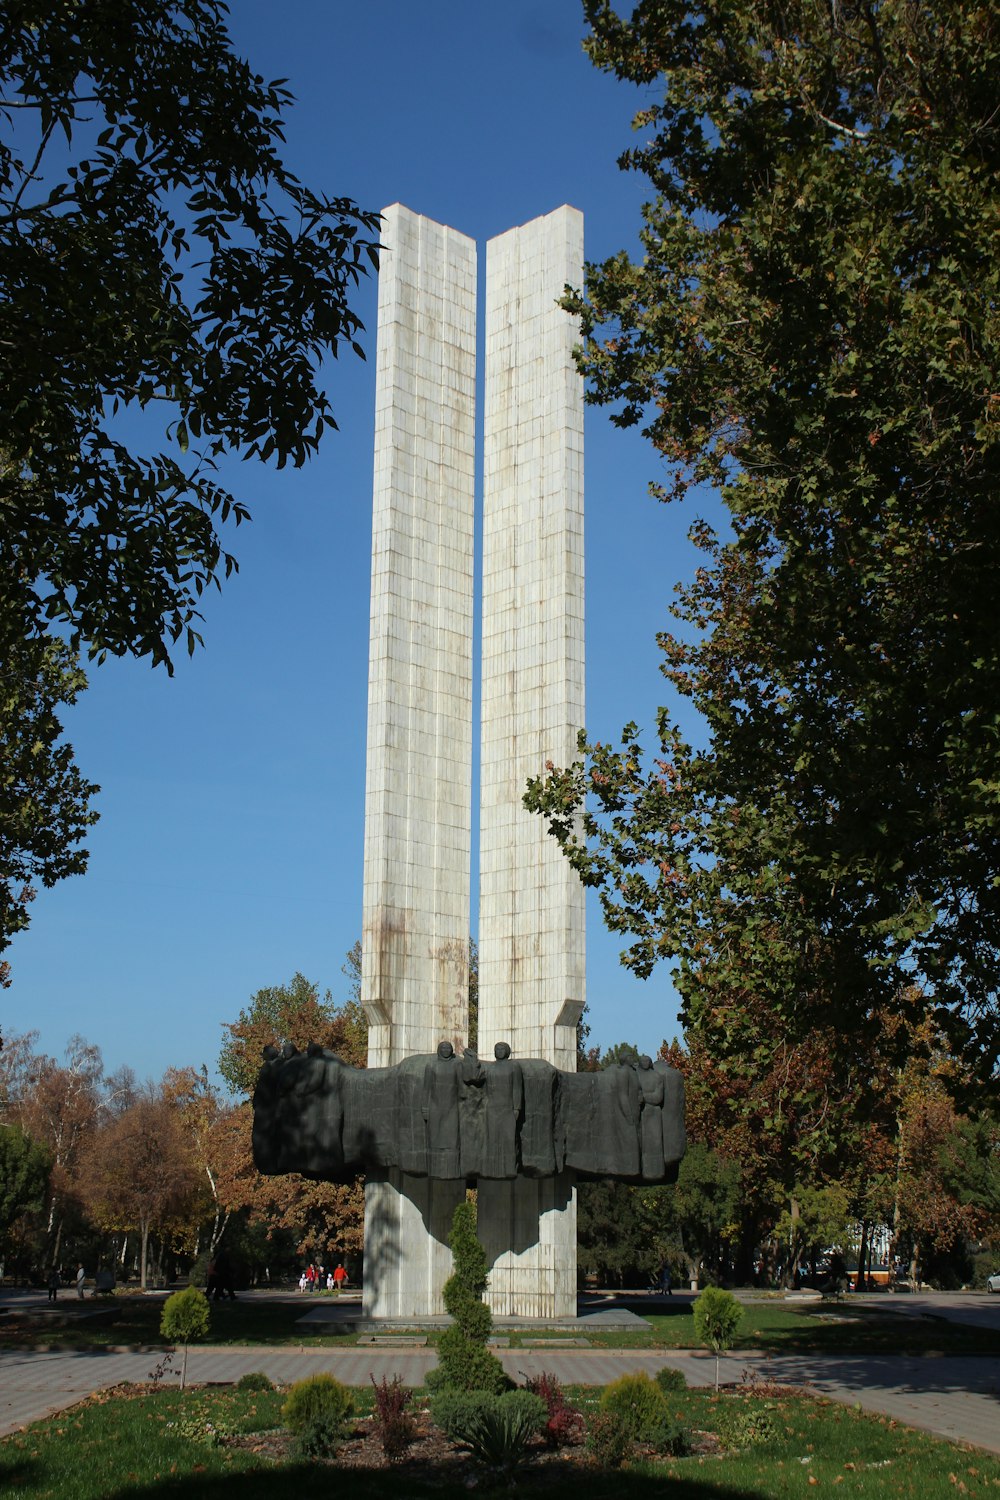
(716, 1318)
(255, 1380)
(637, 1404)
(496, 1428)
(318, 1400)
(741, 1426)
(394, 1426)
(319, 1438)
(670, 1380)
(563, 1422)
(185, 1316)
(453, 1410)
(671, 1438)
(607, 1440)
(464, 1362)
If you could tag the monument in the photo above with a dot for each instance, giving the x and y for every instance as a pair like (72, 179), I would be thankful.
(428, 1117)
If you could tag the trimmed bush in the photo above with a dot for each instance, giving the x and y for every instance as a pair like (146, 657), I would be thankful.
(454, 1410)
(637, 1404)
(464, 1362)
(318, 1400)
(255, 1380)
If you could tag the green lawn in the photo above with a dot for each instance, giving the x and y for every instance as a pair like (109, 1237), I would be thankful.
(836, 1328)
(122, 1445)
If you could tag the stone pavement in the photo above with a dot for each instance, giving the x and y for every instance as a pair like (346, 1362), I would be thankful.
(953, 1397)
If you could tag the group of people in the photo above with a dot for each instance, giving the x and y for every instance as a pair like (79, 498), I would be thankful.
(55, 1281)
(219, 1278)
(314, 1279)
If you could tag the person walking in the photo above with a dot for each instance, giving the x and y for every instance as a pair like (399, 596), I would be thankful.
(339, 1279)
(81, 1277)
(53, 1284)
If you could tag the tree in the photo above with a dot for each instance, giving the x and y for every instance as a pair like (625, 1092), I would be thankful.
(717, 1316)
(24, 1176)
(295, 1013)
(321, 1216)
(174, 264)
(160, 268)
(44, 800)
(138, 1173)
(185, 1316)
(813, 328)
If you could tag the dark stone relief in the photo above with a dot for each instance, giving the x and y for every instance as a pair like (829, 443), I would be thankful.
(448, 1116)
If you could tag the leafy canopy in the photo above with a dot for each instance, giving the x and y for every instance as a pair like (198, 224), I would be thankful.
(157, 257)
(813, 328)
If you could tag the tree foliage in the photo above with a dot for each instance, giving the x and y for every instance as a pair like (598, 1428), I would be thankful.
(293, 1012)
(157, 255)
(44, 801)
(812, 328)
(24, 1175)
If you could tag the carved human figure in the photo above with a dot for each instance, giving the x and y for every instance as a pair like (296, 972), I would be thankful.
(542, 1147)
(674, 1133)
(410, 1114)
(503, 1113)
(650, 1121)
(620, 1118)
(471, 1113)
(441, 1111)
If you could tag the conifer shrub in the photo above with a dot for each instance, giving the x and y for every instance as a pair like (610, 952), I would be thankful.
(637, 1404)
(318, 1400)
(464, 1362)
(255, 1380)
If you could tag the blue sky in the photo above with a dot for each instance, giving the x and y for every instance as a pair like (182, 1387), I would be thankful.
(229, 851)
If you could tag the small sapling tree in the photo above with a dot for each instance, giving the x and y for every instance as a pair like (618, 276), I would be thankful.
(464, 1362)
(716, 1318)
(186, 1316)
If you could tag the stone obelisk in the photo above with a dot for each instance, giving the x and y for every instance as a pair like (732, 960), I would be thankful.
(415, 942)
(531, 909)
(419, 771)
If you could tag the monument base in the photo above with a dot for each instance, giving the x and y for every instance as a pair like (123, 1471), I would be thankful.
(407, 1255)
(528, 1230)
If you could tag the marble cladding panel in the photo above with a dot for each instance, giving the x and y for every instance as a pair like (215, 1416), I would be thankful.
(531, 903)
(419, 759)
(531, 912)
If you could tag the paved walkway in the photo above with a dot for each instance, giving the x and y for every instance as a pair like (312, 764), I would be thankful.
(952, 1397)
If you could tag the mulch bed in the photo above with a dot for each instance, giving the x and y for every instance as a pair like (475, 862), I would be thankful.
(432, 1457)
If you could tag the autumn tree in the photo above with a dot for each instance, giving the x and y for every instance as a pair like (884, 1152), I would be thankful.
(138, 1174)
(322, 1217)
(812, 328)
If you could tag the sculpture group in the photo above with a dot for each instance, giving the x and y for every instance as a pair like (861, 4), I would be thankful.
(450, 1116)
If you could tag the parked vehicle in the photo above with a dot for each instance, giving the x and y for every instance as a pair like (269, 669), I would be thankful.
(993, 1282)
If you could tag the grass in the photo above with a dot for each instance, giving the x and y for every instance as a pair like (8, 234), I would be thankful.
(833, 1329)
(123, 1446)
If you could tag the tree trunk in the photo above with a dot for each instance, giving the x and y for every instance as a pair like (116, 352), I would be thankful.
(863, 1249)
(144, 1229)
